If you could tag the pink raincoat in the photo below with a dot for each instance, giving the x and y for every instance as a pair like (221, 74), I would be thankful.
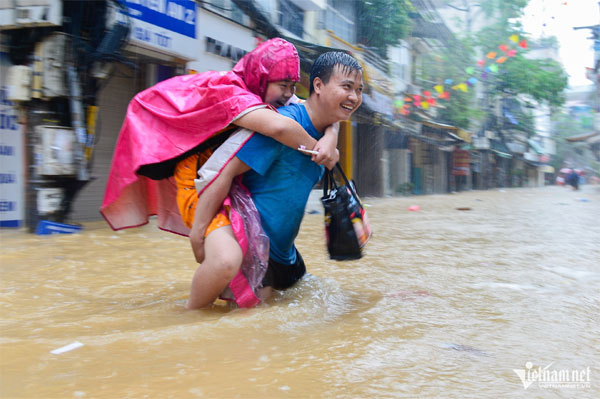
(172, 119)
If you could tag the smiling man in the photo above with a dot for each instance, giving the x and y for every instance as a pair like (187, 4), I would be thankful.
(279, 179)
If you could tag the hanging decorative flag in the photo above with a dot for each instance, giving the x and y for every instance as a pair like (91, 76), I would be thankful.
(483, 75)
(472, 81)
(470, 70)
(523, 43)
(399, 103)
(448, 81)
(514, 38)
(444, 96)
(493, 68)
(511, 53)
(463, 87)
(425, 105)
(438, 88)
(407, 99)
(503, 47)
(417, 98)
(427, 93)
(491, 55)
(501, 60)
(480, 62)
(431, 101)
(417, 103)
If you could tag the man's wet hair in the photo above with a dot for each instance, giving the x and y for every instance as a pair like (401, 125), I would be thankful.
(323, 66)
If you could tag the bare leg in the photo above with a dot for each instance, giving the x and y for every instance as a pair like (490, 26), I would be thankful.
(223, 260)
(265, 293)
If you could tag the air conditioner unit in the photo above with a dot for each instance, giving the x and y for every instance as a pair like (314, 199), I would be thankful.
(38, 12)
(53, 60)
(19, 83)
(54, 151)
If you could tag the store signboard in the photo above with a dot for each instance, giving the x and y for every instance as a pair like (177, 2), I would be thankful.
(167, 26)
(11, 156)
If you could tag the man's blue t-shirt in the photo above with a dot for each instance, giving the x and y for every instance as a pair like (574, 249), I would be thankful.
(280, 181)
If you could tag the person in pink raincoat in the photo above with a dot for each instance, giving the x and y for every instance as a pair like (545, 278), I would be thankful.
(185, 115)
(170, 130)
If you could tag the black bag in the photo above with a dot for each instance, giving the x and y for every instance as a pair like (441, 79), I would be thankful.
(347, 228)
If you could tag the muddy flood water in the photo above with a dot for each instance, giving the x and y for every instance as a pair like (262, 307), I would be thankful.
(447, 303)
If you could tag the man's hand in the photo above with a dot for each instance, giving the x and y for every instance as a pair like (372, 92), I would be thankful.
(328, 153)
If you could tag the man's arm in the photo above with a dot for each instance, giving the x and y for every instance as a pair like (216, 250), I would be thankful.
(210, 202)
(327, 147)
(281, 128)
(289, 132)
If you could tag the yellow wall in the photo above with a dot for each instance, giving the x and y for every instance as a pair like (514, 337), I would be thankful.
(345, 147)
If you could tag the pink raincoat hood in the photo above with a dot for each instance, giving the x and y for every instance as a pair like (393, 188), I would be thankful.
(273, 60)
(171, 119)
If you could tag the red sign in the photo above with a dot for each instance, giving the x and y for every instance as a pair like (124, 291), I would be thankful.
(460, 163)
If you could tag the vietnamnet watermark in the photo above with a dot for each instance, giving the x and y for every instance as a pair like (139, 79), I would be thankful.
(553, 378)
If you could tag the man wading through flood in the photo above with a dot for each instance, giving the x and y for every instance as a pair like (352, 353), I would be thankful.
(279, 179)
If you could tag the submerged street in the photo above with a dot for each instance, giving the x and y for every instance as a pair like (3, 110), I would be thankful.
(448, 301)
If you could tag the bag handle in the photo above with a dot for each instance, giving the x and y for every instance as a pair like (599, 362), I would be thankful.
(329, 182)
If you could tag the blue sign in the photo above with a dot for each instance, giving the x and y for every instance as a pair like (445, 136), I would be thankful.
(11, 156)
(177, 16)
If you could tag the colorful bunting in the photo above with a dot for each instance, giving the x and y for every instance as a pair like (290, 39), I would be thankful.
(426, 100)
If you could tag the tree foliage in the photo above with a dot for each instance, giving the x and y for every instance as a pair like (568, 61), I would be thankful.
(382, 23)
(524, 79)
(544, 80)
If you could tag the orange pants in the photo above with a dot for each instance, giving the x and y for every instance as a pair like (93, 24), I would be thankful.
(187, 197)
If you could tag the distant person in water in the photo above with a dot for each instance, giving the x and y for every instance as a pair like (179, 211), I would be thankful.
(573, 179)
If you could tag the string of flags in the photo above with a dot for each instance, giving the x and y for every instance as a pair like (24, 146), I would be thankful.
(493, 59)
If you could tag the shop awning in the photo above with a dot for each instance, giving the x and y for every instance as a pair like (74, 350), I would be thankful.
(536, 147)
(499, 148)
(502, 154)
(583, 137)
(379, 103)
